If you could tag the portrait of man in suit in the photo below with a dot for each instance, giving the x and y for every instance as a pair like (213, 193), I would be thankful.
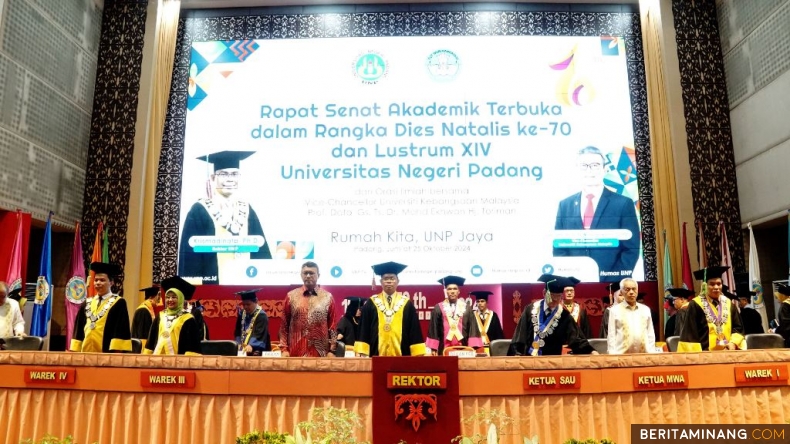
(596, 207)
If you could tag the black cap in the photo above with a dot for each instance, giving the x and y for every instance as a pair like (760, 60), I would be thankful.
(226, 159)
(556, 284)
(354, 303)
(481, 295)
(743, 290)
(389, 268)
(681, 292)
(179, 284)
(783, 289)
(640, 295)
(150, 291)
(611, 288)
(15, 294)
(249, 295)
(111, 270)
(450, 280)
(710, 273)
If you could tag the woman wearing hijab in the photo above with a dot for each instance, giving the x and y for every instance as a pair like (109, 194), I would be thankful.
(348, 326)
(174, 331)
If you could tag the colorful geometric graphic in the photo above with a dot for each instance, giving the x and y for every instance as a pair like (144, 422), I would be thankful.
(213, 62)
(621, 173)
(572, 88)
(294, 250)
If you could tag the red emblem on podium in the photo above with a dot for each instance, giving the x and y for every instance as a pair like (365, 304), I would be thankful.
(415, 405)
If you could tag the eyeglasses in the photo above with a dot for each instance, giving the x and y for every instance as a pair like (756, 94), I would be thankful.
(225, 175)
(590, 166)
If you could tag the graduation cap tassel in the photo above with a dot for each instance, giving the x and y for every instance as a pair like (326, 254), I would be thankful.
(373, 282)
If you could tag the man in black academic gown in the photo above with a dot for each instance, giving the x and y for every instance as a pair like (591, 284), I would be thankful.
(252, 325)
(102, 324)
(752, 321)
(145, 314)
(400, 333)
(487, 320)
(712, 322)
(545, 326)
(578, 313)
(221, 215)
(783, 317)
(452, 322)
(679, 299)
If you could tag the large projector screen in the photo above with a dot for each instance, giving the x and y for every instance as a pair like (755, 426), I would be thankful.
(494, 158)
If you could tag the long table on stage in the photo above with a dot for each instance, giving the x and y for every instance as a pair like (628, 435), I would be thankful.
(211, 399)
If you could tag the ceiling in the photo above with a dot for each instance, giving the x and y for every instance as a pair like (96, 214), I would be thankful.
(213, 4)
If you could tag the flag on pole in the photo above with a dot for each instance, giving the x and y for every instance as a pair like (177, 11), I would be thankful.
(728, 278)
(14, 274)
(702, 253)
(105, 247)
(96, 256)
(758, 300)
(688, 277)
(668, 280)
(75, 289)
(42, 308)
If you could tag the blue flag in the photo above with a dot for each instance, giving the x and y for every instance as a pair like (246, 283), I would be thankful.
(42, 306)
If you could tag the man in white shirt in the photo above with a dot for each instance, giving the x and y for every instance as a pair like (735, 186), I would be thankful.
(11, 321)
(630, 324)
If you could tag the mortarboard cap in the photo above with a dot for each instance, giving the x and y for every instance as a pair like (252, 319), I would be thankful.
(556, 284)
(150, 291)
(15, 294)
(481, 295)
(354, 303)
(640, 295)
(249, 295)
(710, 273)
(612, 287)
(111, 270)
(783, 289)
(450, 280)
(226, 159)
(179, 284)
(680, 293)
(388, 268)
(743, 290)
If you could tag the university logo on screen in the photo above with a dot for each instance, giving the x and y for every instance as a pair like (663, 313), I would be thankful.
(370, 67)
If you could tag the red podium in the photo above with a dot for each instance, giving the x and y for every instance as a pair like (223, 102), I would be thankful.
(415, 399)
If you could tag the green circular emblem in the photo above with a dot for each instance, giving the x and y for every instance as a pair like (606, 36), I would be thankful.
(370, 67)
(443, 65)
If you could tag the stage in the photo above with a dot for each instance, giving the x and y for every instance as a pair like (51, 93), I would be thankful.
(212, 399)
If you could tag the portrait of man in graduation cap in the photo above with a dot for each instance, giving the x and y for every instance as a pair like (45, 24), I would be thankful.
(222, 214)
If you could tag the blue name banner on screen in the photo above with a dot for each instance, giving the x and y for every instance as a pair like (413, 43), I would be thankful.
(491, 157)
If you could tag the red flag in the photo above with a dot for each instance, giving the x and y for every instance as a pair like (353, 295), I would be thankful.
(685, 265)
(702, 253)
(14, 274)
(75, 289)
(728, 278)
(96, 256)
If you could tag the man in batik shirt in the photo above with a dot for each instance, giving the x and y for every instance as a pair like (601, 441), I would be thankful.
(308, 323)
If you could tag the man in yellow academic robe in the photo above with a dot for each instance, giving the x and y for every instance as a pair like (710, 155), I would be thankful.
(389, 324)
(712, 322)
(102, 324)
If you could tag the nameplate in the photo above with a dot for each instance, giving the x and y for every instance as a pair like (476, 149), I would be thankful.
(49, 375)
(417, 381)
(765, 374)
(661, 380)
(555, 381)
(167, 379)
(271, 354)
(462, 353)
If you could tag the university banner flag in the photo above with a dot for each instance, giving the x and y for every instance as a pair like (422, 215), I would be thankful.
(758, 300)
(75, 288)
(42, 306)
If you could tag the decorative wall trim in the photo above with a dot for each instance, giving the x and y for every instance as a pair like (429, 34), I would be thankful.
(561, 21)
(706, 107)
(109, 169)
